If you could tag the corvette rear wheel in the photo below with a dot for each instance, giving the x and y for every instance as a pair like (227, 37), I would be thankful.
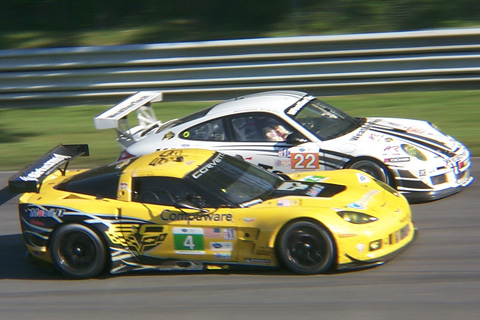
(77, 251)
(305, 247)
(376, 170)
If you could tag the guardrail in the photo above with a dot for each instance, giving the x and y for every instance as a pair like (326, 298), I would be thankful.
(212, 70)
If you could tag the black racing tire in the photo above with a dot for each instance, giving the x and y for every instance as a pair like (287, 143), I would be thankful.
(375, 169)
(305, 247)
(77, 251)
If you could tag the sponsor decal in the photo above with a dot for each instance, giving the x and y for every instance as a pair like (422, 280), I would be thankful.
(356, 205)
(284, 203)
(168, 215)
(422, 173)
(363, 202)
(41, 212)
(415, 130)
(45, 168)
(166, 156)
(299, 105)
(315, 190)
(363, 130)
(221, 246)
(135, 237)
(388, 139)
(284, 153)
(315, 178)
(392, 149)
(228, 234)
(124, 186)
(363, 178)
(197, 174)
(287, 202)
(249, 220)
(397, 160)
(222, 255)
(375, 136)
(169, 135)
(282, 163)
(128, 106)
(212, 232)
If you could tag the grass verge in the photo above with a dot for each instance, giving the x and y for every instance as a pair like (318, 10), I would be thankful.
(26, 134)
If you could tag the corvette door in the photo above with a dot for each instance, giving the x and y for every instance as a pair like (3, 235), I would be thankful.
(192, 233)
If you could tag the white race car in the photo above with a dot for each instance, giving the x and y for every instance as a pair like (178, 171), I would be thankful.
(287, 131)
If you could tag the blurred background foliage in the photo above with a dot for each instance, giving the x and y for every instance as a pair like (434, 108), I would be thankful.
(62, 23)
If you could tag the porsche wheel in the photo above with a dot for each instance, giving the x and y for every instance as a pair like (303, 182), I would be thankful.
(305, 247)
(77, 251)
(375, 169)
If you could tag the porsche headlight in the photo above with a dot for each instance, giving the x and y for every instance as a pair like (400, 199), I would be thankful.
(356, 217)
(414, 152)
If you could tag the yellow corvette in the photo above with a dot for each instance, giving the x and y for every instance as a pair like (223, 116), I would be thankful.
(187, 209)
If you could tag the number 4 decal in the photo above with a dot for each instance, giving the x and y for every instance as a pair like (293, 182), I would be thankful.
(302, 161)
(188, 240)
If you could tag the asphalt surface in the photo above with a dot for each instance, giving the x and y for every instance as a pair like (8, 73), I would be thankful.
(438, 277)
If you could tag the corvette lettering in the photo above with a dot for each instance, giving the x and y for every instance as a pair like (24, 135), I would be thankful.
(197, 174)
(168, 215)
(48, 165)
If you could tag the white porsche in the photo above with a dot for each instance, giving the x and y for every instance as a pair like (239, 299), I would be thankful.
(287, 131)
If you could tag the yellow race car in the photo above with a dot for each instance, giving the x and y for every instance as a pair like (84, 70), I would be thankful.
(187, 209)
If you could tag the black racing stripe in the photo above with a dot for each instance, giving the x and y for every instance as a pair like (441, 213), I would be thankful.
(336, 153)
(409, 134)
(434, 147)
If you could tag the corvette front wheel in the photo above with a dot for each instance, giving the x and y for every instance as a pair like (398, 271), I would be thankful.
(305, 247)
(78, 251)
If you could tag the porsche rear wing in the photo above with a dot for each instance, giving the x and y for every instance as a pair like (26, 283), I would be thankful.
(30, 178)
(116, 116)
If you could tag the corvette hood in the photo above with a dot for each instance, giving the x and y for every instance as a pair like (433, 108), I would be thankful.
(414, 131)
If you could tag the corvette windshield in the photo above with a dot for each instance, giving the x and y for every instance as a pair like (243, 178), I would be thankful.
(324, 121)
(234, 179)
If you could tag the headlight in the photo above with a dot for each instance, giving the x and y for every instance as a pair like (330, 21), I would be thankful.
(414, 152)
(356, 217)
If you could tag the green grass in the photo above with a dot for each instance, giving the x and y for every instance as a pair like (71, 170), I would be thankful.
(27, 133)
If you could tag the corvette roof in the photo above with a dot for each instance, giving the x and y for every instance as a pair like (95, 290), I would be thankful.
(169, 163)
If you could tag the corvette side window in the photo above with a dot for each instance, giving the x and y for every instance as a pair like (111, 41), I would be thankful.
(168, 191)
(207, 131)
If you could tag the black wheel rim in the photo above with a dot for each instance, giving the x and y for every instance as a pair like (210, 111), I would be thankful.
(77, 252)
(372, 169)
(306, 248)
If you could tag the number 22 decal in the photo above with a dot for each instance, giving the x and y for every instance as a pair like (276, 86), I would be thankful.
(307, 161)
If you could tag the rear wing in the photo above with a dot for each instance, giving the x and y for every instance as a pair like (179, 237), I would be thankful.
(116, 116)
(30, 178)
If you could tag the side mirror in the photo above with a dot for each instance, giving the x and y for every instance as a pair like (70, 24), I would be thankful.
(188, 205)
(295, 138)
